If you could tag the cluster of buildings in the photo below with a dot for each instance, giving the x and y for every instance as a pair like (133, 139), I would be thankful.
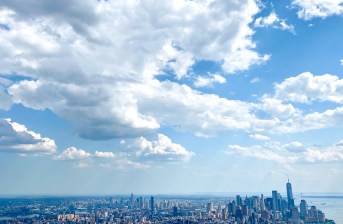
(162, 209)
(260, 209)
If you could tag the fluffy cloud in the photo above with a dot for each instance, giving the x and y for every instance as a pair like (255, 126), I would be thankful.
(104, 154)
(273, 21)
(106, 81)
(259, 137)
(105, 56)
(138, 153)
(288, 153)
(161, 149)
(209, 81)
(73, 153)
(308, 9)
(17, 138)
(307, 87)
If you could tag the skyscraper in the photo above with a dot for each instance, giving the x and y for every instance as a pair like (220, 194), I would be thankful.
(275, 203)
(303, 209)
(238, 200)
(132, 200)
(152, 203)
(290, 198)
(175, 213)
(262, 205)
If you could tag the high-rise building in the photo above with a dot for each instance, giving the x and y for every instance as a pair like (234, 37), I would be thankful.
(230, 208)
(262, 205)
(175, 213)
(295, 213)
(290, 198)
(209, 207)
(303, 209)
(219, 211)
(152, 203)
(244, 210)
(239, 200)
(131, 200)
(275, 202)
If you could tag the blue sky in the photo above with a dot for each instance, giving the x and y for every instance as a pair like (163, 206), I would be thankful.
(114, 97)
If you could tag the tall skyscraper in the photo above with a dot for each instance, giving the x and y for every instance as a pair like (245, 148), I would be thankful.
(152, 203)
(132, 200)
(262, 205)
(238, 200)
(303, 209)
(290, 198)
(275, 201)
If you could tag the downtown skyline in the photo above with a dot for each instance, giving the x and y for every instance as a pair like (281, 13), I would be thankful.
(170, 97)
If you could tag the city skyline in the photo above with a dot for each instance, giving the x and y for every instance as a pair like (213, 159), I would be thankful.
(166, 209)
(170, 97)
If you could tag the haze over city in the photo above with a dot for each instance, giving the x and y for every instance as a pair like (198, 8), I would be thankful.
(170, 97)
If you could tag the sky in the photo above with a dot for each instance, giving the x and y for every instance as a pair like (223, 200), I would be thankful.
(170, 97)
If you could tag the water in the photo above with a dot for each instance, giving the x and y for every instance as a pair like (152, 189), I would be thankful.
(330, 204)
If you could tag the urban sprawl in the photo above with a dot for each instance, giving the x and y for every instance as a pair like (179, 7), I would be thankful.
(161, 209)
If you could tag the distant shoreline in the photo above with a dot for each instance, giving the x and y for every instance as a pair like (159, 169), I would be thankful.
(323, 196)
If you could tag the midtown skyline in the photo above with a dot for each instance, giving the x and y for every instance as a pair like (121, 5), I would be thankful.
(170, 97)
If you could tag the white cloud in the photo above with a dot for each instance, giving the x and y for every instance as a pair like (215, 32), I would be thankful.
(105, 56)
(115, 70)
(273, 21)
(289, 153)
(73, 153)
(259, 137)
(104, 154)
(309, 9)
(82, 165)
(139, 153)
(15, 137)
(161, 149)
(255, 80)
(267, 21)
(341, 61)
(264, 152)
(307, 87)
(202, 81)
(331, 154)
(125, 164)
(276, 108)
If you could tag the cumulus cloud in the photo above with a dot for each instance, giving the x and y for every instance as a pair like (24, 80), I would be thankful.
(73, 153)
(139, 153)
(309, 9)
(104, 154)
(273, 21)
(202, 81)
(99, 68)
(15, 137)
(288, 153)
(259, 137)
(160, 149)
(306, 88)
(106, 55)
